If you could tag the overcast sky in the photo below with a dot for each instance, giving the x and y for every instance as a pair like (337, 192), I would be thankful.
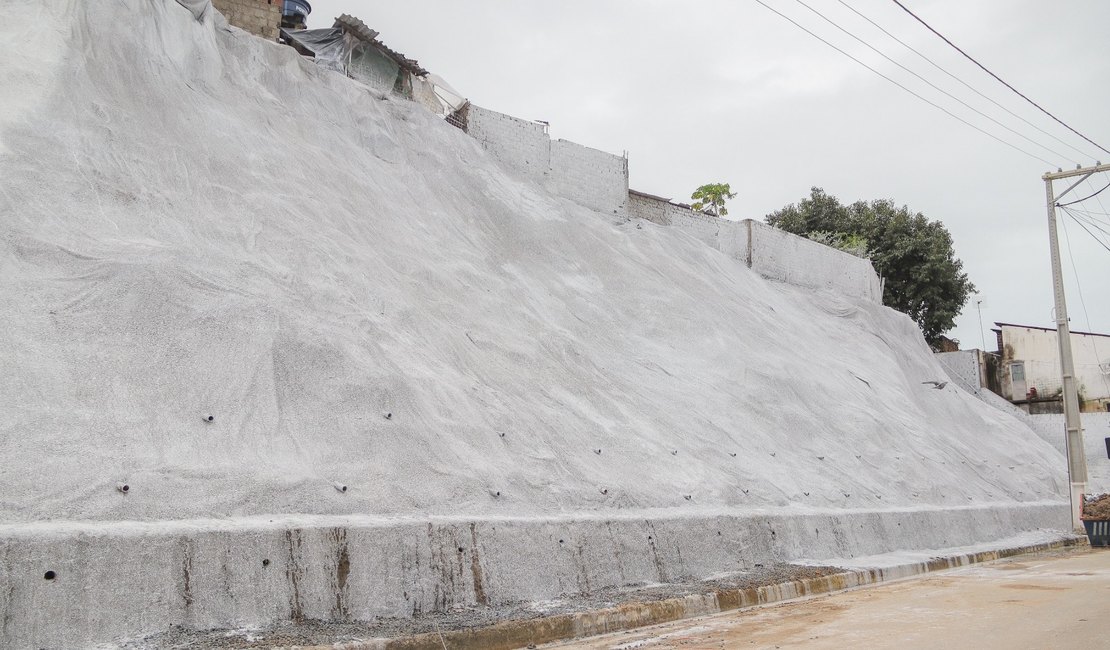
(727, 91)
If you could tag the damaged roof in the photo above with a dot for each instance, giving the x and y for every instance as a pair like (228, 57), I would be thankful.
(362, 31)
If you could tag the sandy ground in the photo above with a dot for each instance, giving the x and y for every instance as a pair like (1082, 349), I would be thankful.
(1054, 600)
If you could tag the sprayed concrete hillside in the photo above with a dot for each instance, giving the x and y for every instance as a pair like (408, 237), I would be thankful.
(196, 222)
(522, 397)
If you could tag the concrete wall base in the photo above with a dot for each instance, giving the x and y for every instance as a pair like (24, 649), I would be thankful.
(533, 632)
(70, 584)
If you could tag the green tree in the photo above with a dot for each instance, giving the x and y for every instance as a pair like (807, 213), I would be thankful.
(914, 255)
(710, 198)
(853, 244)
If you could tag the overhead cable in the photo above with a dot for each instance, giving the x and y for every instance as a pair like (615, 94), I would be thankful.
(1102, 207)
(933, 104)
(1082, 300)
(997, 78)
(1084, 198)
(966, 84)
(1083, 226)
(931, 84)
(1091, 213)
(1094, 223)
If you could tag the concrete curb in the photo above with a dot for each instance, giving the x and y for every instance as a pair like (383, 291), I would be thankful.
(565, 627)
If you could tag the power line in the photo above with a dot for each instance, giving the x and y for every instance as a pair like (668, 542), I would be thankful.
(1084, 198)
(966, 84)
(936, 106)
(929, 83)
(1097, 225)
(1083, 301)
(999, 79)
(1092, 213)
(1089, 220)
(1102, 207)
(1093, 236)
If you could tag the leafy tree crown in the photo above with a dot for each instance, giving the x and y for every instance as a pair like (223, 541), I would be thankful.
(710, 198)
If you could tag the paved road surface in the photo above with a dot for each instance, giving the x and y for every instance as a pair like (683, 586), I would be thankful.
(1053, 600)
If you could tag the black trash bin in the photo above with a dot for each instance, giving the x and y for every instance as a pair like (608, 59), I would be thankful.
(1098, 532)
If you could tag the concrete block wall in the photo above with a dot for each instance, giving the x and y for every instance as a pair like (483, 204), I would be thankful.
(717, 233)
(963, 366)
(259, 17)
(599, 180)
(729, 237)
(589, 177)
(648, 208)
(779, 255)
(518, 144)
(773, 253)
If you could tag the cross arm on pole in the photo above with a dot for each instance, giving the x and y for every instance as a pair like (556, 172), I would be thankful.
(1057, 175)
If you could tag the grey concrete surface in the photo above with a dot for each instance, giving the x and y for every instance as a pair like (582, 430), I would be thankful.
(114, 581)
(1053, 600)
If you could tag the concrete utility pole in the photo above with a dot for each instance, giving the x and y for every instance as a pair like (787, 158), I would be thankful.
(1077, 459)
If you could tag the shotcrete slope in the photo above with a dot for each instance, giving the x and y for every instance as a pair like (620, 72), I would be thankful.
(196, 222)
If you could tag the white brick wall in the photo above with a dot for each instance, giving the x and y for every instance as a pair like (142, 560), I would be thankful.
(595, 179)
(647, 208)
(520, 145)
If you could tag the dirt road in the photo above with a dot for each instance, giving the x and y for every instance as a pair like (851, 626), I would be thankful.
(1056, 600)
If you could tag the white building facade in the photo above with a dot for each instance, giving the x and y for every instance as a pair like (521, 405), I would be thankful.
(1030, 368)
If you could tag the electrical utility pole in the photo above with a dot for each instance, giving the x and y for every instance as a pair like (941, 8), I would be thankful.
(1077, 459)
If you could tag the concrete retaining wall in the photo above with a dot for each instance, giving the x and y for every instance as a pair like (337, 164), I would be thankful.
(128, 579)
(508, 635)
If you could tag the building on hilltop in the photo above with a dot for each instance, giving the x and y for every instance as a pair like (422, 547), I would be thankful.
(1025, 370)
(351, 47)
(1029, 368)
